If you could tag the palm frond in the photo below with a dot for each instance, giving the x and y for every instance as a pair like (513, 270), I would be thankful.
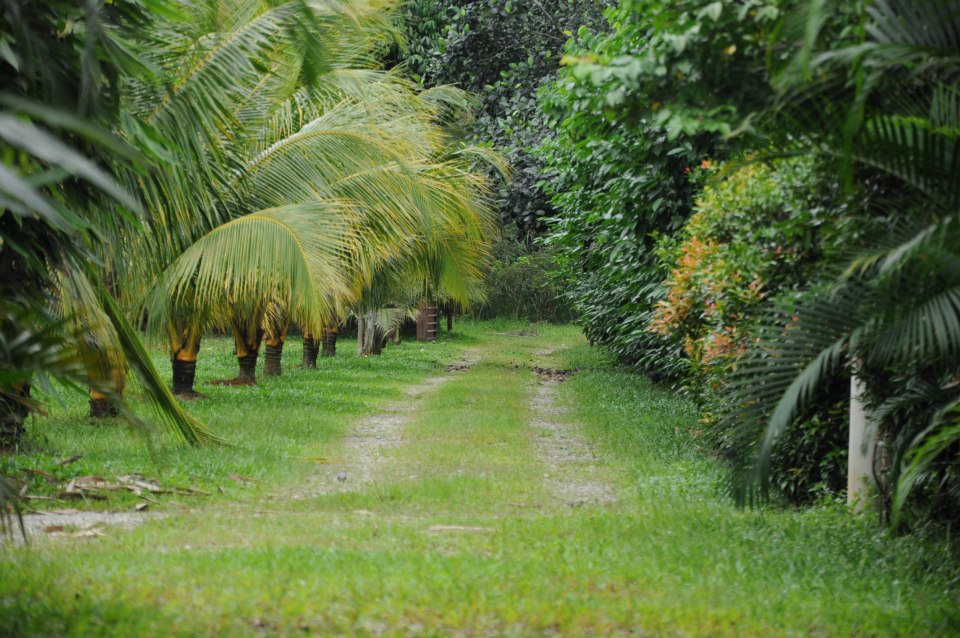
(295, 254)
(942, 434)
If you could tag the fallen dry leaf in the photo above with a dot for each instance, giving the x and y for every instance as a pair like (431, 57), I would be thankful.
(189, 491)
(53, 529)
(89, 533)
(93, 483)
(83, 495)
(137, 481)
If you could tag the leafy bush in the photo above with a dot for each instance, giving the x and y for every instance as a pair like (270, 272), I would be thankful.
(873, 90)
(755, 233)
(525, 283)
(758, 233)
(636, 113)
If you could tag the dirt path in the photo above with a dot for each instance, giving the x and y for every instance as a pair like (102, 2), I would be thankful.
(573, 475)
(367, 445)
(76, 523)
(365, 449)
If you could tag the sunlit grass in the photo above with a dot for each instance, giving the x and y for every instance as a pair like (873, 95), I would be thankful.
(673, 557)
(269, 426)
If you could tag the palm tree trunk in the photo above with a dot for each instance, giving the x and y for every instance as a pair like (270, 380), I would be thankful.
(277, 324)
(184, 375)
(108, 382)
(13, 414)
(330, 334)
(184, 349)
(427, 322)
(272, 361)
(310, 351)
(247, 340)
(102, 404)
(101, 407)
(248, 365)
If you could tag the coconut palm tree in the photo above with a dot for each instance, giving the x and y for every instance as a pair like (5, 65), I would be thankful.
(219, 136)
(320, 185)
(446, 260)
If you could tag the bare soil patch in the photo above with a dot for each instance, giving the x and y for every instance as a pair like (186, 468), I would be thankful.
(73, 523)
(552, 374)
(573, 475)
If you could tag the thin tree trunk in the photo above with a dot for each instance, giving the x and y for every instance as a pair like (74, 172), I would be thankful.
(860, 451)
(310, 351)
(449, 317)
(13, 414)
(361, 334)
(373, 338)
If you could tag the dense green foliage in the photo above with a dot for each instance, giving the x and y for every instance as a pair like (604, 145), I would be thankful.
(767, 299)
(64, 134)
(637, 113)
(525, 283)
(756, 237)
(241, 165)
(884, 111)
(503, 52)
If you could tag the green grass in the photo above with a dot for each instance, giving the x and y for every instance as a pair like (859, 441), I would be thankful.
(267, 426)
(671, 558)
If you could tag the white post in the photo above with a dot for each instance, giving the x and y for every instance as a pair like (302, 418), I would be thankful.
(860, 463)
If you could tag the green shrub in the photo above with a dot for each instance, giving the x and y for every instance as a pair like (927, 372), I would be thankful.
(758, 234)
(636, 112)
(525, 283)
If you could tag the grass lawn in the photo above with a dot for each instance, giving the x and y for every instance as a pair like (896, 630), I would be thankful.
(460, 534)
